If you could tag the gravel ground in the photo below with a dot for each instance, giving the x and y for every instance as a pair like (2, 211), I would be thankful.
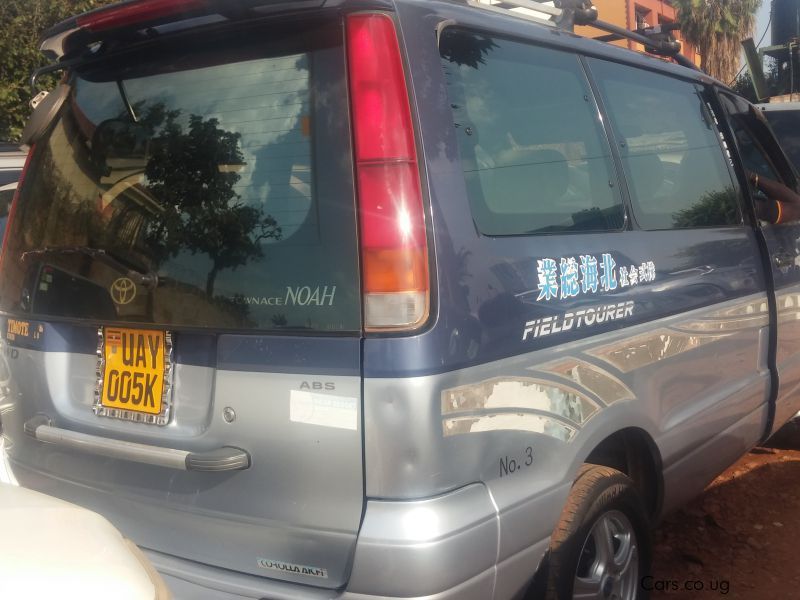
(741, 538)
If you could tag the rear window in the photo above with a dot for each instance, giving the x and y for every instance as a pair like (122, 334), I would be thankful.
(206, 185)
(786, 125)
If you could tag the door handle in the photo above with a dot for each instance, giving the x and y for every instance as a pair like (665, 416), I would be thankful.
(226, 458)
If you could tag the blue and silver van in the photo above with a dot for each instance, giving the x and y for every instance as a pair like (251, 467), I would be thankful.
(360, 299)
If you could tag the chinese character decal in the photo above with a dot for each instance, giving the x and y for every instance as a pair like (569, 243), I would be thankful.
(589, 280)
(548, 278)
(570, 284)
(587, 275)
(633, 275)
(623, 277)
(608, 279)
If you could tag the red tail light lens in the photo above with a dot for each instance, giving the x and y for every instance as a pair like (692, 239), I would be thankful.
(13, 208)
(136, 12)
(394, 251)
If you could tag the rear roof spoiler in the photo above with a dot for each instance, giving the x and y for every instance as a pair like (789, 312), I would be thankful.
(78, 33)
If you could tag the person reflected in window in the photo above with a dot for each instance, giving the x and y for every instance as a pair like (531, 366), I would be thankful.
(777, 203)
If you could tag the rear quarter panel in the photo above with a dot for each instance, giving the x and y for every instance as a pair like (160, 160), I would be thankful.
(474, 399)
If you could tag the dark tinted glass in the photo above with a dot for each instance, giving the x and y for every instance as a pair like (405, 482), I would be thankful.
(670, 149)
(786, 125)
(9, 176)
(533, 152)
(753, 156)
(216, 179)
(6, 196)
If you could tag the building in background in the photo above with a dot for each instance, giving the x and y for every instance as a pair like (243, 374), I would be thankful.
(629, 14)
(637, 14)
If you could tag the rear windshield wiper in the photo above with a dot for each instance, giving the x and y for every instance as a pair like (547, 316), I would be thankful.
(145, 278)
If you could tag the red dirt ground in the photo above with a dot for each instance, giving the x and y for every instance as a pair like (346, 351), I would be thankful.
(741, 538)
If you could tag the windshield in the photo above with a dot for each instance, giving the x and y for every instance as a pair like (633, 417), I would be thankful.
(786, 125)
(205, 186)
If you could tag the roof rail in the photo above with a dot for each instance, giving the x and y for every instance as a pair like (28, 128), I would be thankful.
(656, 40)
(565, 14)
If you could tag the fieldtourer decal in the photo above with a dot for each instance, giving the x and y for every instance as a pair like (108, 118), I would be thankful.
(583, 317)
(570, 277)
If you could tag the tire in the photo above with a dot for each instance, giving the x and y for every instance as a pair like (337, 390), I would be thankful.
(603, 505)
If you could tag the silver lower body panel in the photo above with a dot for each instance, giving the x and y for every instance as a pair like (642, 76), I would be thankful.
(442, 548)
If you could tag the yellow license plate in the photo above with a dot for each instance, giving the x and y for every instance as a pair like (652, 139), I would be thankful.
(133, 374)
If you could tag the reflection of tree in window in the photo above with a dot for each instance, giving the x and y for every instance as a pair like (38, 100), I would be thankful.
(711, 209)
(466, 48)
(191, 171)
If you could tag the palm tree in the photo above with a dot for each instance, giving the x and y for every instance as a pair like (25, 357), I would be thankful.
(716, 28)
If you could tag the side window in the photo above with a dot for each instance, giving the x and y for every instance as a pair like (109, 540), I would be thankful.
(670, 147)
(745, 126)
(534, 155)
(786, 125)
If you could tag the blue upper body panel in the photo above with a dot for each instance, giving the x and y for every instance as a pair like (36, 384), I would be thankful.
(487, 288)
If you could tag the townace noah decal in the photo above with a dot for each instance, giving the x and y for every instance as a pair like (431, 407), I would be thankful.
(308, 297)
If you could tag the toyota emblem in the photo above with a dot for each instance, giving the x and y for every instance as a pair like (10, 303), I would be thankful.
(123, 291)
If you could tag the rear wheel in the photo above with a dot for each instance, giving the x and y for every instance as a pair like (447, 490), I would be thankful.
(601, 547)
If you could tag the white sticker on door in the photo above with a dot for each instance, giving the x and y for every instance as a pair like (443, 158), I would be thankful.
(311, 408)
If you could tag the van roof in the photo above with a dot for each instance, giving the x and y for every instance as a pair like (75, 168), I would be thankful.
(79, 32)
(82, 30)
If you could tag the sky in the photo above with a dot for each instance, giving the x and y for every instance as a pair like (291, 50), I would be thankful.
(762, 22)
(762, 19)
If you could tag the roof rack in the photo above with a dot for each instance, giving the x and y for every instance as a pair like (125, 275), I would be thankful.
(565, 14)
(556, 13)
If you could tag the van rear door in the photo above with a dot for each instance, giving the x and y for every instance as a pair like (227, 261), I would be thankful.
(181, 301)
(761, 154)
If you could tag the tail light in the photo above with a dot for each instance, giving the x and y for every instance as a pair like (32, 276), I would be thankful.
(131, 13)
(12, 210)
(393, 242)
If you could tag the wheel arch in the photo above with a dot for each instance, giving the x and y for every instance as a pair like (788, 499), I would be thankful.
(634, 452)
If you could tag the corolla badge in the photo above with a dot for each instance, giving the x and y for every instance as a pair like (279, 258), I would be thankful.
(123, 291)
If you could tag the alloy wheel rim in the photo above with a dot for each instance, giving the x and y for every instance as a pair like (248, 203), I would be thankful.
(608, 567)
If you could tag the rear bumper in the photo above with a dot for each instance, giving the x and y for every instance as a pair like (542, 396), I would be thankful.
(444, 548)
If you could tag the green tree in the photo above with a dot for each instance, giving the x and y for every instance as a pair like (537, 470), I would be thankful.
(779, 78)
(202, 212)
(716, 28)
(712, 209)
(22, 23)
(743, 85)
